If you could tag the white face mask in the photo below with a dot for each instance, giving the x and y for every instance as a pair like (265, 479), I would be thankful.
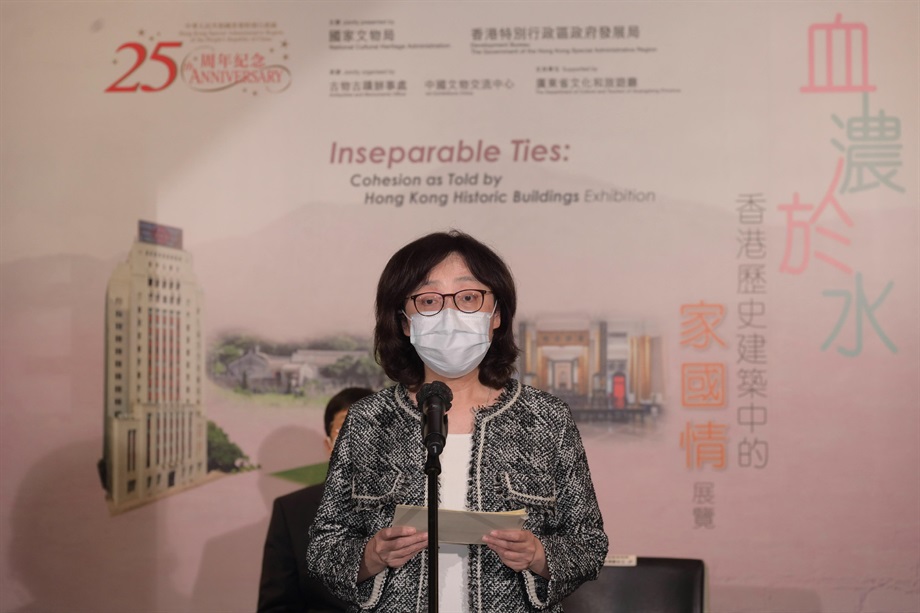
(451, 343)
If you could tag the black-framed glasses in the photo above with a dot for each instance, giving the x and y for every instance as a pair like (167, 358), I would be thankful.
(466, 301)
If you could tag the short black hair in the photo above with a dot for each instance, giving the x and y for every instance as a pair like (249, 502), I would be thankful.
(406, 270)
(342, 401)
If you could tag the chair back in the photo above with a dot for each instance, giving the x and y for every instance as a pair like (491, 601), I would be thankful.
(652, 585)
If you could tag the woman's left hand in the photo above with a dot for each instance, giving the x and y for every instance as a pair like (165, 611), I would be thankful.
(518, 550)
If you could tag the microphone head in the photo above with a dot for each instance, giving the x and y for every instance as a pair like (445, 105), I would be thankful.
(435, 389)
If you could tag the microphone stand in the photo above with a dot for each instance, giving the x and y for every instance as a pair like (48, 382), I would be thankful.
(434, 401)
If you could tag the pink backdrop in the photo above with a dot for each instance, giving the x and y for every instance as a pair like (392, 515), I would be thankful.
(802, 494)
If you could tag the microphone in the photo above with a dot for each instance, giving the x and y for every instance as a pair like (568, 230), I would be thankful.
(434, 401)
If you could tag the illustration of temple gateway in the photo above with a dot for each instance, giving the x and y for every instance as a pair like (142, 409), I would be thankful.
(155, 438)
(602, 369)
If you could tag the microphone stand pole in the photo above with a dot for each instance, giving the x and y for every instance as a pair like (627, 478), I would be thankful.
(433, 469)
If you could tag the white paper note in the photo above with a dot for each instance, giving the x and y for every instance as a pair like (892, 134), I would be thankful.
(459, 527)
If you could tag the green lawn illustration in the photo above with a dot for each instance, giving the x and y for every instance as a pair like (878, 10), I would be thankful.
(310, 474)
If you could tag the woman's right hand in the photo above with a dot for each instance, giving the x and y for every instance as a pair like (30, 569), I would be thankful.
(391, 548)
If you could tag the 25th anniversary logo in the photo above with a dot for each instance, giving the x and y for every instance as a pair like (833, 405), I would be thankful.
(213, 56)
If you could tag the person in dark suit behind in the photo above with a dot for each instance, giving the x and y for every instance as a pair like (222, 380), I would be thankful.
(285, 586)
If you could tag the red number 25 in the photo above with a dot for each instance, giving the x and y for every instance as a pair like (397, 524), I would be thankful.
(141, 55)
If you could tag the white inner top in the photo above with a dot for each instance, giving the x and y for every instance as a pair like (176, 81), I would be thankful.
(452, 559)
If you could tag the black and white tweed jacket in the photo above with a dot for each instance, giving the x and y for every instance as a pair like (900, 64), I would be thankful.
(526, 452)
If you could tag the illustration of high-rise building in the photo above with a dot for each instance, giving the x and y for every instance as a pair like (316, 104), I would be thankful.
(155, 440)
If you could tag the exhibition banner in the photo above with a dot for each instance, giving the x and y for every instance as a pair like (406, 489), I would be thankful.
(710, 210)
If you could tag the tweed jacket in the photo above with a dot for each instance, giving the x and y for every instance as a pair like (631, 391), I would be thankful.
(526, 452)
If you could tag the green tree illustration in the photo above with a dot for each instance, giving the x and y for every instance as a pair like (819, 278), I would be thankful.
(223, 454)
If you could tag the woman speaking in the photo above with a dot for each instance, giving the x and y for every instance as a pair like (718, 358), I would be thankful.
(444, 312)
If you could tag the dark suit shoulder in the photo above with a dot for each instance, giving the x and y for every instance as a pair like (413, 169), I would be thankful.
(307, 496)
